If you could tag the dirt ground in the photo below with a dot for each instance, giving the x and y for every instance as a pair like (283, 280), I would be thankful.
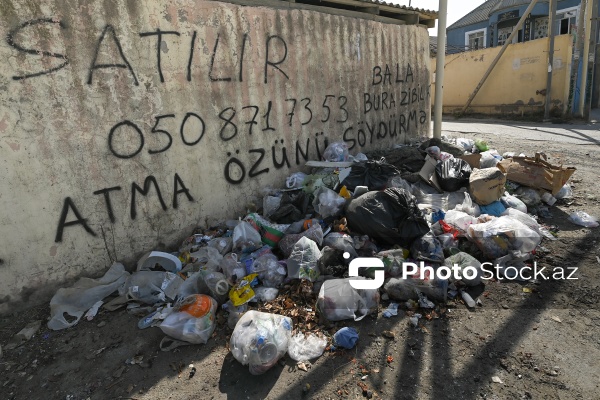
(540, 340)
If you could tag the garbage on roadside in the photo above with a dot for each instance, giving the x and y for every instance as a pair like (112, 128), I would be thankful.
(279, 277)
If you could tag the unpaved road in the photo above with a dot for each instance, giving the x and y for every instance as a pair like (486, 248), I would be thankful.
(541, 340)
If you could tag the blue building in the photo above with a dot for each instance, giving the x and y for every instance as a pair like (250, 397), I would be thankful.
(491, 23)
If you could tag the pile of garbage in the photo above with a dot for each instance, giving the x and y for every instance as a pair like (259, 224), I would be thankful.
(280, 277)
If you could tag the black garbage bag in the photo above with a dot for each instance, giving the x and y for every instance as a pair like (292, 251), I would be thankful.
(390, 216)
(427, 248)
(293, 207)
(405, 158)
(373, 174)
(453, 174)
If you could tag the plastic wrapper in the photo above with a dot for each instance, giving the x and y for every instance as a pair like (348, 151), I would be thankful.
(463, 260)
(295, 181)
(211, 283)
(501, 235)
(340, 241)
(270, 272)
(469, 207)
(336, 151)
(245, 238)
(510, 201)
(459, 220)
(270, 233)
(80, 297)
(529, 196)
(314, 233)
(260, 340)
(453, 174)
(328, 203)
(306, 347)
(338, 300)
(302, 263)
(151, 287)
(193, 320)
(495, 208)
(391, 216)
(232, 268)
(583, 219)
(243, 292)
(566, 192)
(408, 289)
(373, 174)
(428, 248)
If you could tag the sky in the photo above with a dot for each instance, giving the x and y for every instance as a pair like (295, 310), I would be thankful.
(456, 8)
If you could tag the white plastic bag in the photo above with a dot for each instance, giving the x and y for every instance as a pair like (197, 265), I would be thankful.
(523, 218)
(338, 300)
(511, 201)
(306, 347)
(295, 181)
(260, 340)
(327, 202)
(499, 236)
(459, 220)
(337, 151)
(246, 238)
(79, 298)
(151, 287)
(302, 263)
(565, 192)
(583, 219)
(193, 320)
(467, 206)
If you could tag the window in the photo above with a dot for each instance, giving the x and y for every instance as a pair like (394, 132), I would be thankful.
(566, 21)
(475, 40)
(540, 29)
(503, 34)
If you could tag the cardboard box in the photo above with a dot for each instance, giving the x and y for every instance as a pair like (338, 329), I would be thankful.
(427, 173)
(486, 185)
(472, 159)
(536, 172)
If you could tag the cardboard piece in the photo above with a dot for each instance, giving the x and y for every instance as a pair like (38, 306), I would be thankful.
(486, 185)
(427, 173)
(536, 172)
(472, 159)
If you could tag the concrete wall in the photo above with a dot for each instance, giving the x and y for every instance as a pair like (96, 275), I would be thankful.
(515, 83)
(126, 124)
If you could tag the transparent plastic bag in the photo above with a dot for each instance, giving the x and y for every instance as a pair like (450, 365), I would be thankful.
(459, 220)
(270, 205)
(524, 218)
(245, 238)
(337, 151)
(306, 347)
(192, 320)
(151, 287)
(338, 300)
(232, 269)
(499, 236)
(511, 201)
(466, 144)
(270, 272)
(263, 293)
(80, 297)
(286, 244)
(408, 289)
(211, 283)
(469, 207)
(566, 192)
(583, 219)
(428, 248)
(528, 196)
(302, 263)
(327, 202)
(222, 244)
(400, 183)
(340, 241)
(260, 340)
(295, 181)
(208, 258)
(489, 159)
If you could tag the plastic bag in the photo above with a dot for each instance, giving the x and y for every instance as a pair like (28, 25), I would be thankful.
(373, 174)
(528, 196)
(391, 216)
(407, 289)
(302, 263)
(447, 240)
(481, 145)
(193, 320)
(213, 284)
(336, 151)
(80, 297)
(459, 220)
(495, 208)
(151, 287)
(346, 337)
(428, 248)
(467, 206)
(466, 144)
(453, 174)
(306, 347)
(295, 181)
(208, 257)
(511, 201)
(464, 260)
(489, 159)
(501, 235)
(260, 340)
(245, 238)
(340, 241)
(338, 300)
(262, 293)
(270, 205)
(270, 272)
(328, 203)
(565, 192)
(400, 183)
(392, 260)
(583, 219)
(524, 218)
(270, 233)
(314, 233)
